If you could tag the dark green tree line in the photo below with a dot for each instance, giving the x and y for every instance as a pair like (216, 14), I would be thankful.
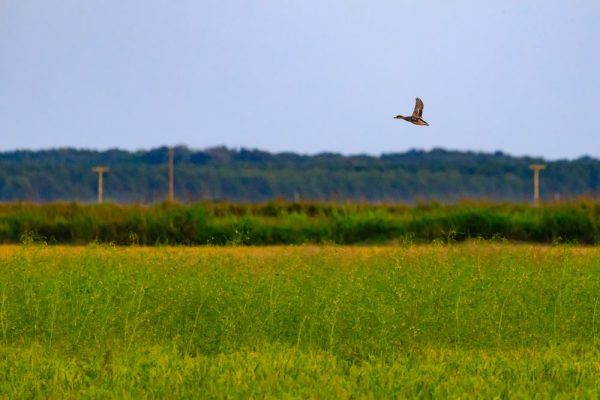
(254, 176)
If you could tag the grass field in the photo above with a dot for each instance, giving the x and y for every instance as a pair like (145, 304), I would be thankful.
(467, 320)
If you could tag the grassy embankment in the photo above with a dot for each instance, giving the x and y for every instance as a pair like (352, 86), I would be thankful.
(416, 321)
(295, 223)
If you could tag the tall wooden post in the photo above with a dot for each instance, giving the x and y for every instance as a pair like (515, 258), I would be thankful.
(100, 171)
(536, 168)
(171, 197)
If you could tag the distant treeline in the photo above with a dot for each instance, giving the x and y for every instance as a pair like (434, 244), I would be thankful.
(296, 223)
(221, 174)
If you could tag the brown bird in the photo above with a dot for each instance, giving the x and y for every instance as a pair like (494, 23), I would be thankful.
(415, 118)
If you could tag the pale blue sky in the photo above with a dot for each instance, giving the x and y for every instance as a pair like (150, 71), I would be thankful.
(306, 76)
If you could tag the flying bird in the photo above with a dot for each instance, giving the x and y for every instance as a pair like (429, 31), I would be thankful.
(415, 118)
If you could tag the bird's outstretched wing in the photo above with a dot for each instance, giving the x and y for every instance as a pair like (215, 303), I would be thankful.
(418, 112)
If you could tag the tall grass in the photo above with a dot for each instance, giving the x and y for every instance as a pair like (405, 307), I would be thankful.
(295, 223)
(425, 321)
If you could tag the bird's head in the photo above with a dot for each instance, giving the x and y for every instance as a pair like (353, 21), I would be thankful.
(398, 117)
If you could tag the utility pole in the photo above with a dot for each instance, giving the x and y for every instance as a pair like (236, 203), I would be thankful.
(100, 170)
(536, 168)
(171, 197)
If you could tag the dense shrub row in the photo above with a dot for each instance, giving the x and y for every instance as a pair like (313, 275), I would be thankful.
(294, 223)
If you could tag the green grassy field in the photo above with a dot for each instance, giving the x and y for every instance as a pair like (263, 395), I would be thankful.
(468, 320)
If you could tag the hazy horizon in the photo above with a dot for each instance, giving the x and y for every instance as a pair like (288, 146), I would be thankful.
(309, 77)
(195, 149)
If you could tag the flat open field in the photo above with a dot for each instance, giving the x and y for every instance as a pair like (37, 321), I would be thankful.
(466, 320)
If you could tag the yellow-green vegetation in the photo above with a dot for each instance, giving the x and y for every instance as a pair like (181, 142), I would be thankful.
(468, 320)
